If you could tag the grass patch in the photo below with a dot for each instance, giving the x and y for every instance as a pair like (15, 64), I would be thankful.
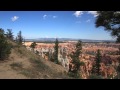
(20, 51)
(38, 65)
(31, 73)
(46, 71)
(17, 65)
(95, 77)
(38, 69)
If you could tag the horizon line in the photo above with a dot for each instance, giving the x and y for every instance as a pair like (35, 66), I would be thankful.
(69, 38)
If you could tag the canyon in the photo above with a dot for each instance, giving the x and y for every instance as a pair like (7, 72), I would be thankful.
(108, 52)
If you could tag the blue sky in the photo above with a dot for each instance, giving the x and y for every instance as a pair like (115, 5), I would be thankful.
(51, 24)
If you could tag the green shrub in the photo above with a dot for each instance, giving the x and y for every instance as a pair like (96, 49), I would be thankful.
(74, 75)
(5, 47)
(95, 77)
(17, 65)
(20, 51)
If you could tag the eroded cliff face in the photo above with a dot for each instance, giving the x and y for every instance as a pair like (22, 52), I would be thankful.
(108, 65)
(86, 69)
(109, 57)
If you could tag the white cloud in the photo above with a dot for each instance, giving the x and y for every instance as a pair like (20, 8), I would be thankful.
(14, 18)
(44, 16)
(94, 13)
(88, 20)
(49, 16)
(54, 16)
(78, 13)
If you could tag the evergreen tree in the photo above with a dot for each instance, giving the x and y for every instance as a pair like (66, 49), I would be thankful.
(16, 39)
(56, 51)
(118, 68)
(118, 52)
(110, 20)
(24, 41)
(93, 71)
(5, 47)
(33, 45)
(96, 67)
(9, 34)
(37, 52)
(75, 59)
(19, 38)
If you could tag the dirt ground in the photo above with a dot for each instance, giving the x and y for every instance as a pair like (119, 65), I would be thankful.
(6, 72)
(20, 66)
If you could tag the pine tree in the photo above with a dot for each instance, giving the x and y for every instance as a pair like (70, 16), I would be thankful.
(24, 41)
(19, 38)
(118, 67)
(118, 52)
(96, 67)
(33, 45)
(110, 20)
(37, 52)
(5, 47)
(9, 34)
(75, 58)
(56, 51)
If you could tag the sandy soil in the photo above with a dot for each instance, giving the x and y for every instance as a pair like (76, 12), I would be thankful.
(51, 70)
(6, 72)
